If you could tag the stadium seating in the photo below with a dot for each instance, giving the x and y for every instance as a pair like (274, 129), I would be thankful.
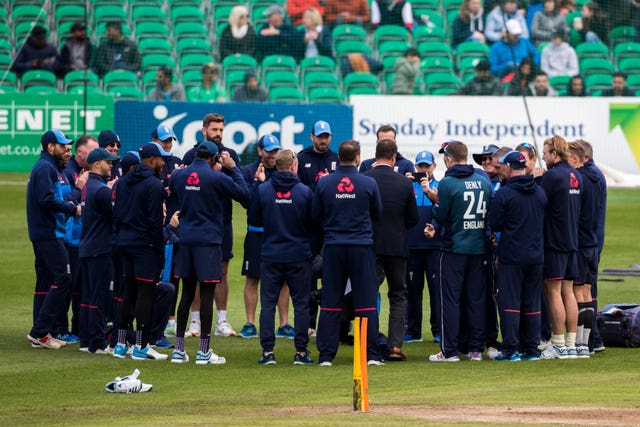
(360, 80)
(429, 34)
(625, 50)
(315, 79)
(559, 82)
(279, 78)
(326, 95)
(120, 78)
(126, 93)
(387, 33)
(38, 78)
(77, 78)
(318, 63)
(595, 82)
(286, 94)
(592, 50)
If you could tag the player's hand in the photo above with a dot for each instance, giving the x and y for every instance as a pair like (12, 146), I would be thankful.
(175, 221)
(112, 182)
(432, 193)
(325, 172)
(226, 160)
(81, 180)
(78, 210)
(260, 174)
(429, 231)
(538, 172)
(409, 175)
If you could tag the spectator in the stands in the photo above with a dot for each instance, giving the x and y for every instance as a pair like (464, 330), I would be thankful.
(347, 12)
(546, 22)
(592, 26)
(558, 58)
(469, 24)
(405, 72)
(36, 53)
(540, 86)
(359, 63)
(391, 12)
(618, 86)
(277, 37)
(209, 90)
(317, 37)
(523, 76)
(495, 27)
(513, 47)
(166, 89)
(251, 90)
(116, 52)
(297, 8)
(576, 87)
(239, 36)
(483, 83)
(77, 50)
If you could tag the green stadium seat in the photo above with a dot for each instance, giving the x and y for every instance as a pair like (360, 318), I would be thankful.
(559, 82)
(108, 12)
(6, 47)
(64, 32)
(595, 66)
(388, 70)
(352, 46)
(363, 91)
(633, 82)
(221, 15)
(629, 65)
(387, 33)
(146, 29)
(28, 13)
(155, 45)
(467, 67)
(238, 62)
(440, 80)
(278, 63)
(41, 90)
(316, 79)
(326, 95)
(435, 49)
(425, 4)
(621, 34)
(7, 89)
(592, 50)
(77, 78)
(317, 63)
(193, 45)
(187, 14)
(142, 12)
(347, 32)
(625, 50)
(286, 95)
(359, 80)
(157, 60)
(5, 61)
(38, 78)
(4, 15)
(430, 17)
(120, 78)
(279, 78)
(190, 29)
(427, 33)
(193, 61)
(101, 30)
(392, 48)
(123, 93)
(69, 13)
(191, 78)
(436, 64)
(451, 5)
(595, 82)
(257, 16)
(79, 90)
(8, 78)
(443, 91)
(472, 49)
(234, 79)
(5, 31)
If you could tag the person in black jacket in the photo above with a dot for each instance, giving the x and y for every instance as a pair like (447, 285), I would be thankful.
(117, 52)
(36, 53)
(238, 37)
(277, 37)
(390, 240)
(402, 166)
(77, 50)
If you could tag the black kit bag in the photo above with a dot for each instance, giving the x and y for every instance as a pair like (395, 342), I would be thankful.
(619, 325)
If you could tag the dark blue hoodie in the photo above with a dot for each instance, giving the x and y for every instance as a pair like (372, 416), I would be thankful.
(137, 213)
(47, 209)
(517, 212)
(310, 164)
(417, 239)
(345, 203)
(249, 172)
(590, 203)
(602, 208)
(97, 218)
(563, 186)
(202, 193)
(282, 206)
(402, 166)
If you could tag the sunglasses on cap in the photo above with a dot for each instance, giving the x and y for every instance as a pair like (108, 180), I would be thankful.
(528, 147)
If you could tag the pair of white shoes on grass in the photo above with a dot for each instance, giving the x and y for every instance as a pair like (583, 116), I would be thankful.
(128, 384)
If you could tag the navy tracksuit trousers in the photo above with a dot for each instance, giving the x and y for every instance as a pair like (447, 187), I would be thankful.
(421, 265)
(97, 277)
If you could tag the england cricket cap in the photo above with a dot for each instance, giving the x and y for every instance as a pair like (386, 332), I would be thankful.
(107, 137)
(269, 143)
(100, 154)
(514, 159)
(54, 136)
(129, 159)
(424, 157)
(321, 127)
(208, 147)
(487, 149)
(163, 132)
(152, 149)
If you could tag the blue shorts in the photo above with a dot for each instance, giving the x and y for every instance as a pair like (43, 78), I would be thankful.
(227, 241)
(252, 250)
(587, 266)
(560, 265)
(142, 262)
(202, 262)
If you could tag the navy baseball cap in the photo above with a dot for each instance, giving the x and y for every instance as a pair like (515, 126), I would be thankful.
(514, 159)
(163, 132)
(208, 147)
(269, 143)
(321, 127)
(100, 154)
(107, 137)
(152, 149)
(487, 149)
(129, 159)
(425, 157)
(54, 136)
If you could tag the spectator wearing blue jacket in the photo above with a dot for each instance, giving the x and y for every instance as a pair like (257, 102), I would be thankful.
(47, 212)
(282, 206)
(501, 55)
(517, 212)
(36, 53)
(495, 26)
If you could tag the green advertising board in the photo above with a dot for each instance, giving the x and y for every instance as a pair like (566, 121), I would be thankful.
(25, 117)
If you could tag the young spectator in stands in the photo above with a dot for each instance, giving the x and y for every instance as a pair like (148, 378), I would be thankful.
(317, 38)
(165, 89)
(297, 8)
(359, 63)
(567, 6)
(522, 78)
(483, 83)
(77, 50)
(558, 58)
(347, 12)
(239, 36)
(469, 24)
(277, 37)
(540, 86)
(117, 52)
(501, 56)
(36, 53)
(495, 28)
(406, 70)
(391, 12)
(209, 90)
(618, 86)
(592, 26)
(576, 87)
(251, 91)
(546, 22)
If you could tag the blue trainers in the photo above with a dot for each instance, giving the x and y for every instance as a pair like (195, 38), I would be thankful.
(249, 331)
(178, 356)
(286, 331)
(163, 343)
(528, 358)
(436, 339)
(209, 358)
(268, 359)
(572, 352)
(411, 338)
(68, 338)
(515, 357)
(302, 359)
(120, 351)
(147, 353)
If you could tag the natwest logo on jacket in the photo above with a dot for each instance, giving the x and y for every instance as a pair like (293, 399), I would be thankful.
(192, 181)
(345, 186)
(574, 184)
(283, 197)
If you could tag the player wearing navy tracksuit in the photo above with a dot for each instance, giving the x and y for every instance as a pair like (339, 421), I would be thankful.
(403, 165)
(201, 194)
(563, 186)
(517, 213)
(345, 204)
(463, 200)
(282, 206)
(47, 212)
(111, 141)
(95, 252)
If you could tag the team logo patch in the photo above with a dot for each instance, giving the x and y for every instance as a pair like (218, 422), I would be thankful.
(193, 179)
(282, 195)
(573, 181)
(345, 185)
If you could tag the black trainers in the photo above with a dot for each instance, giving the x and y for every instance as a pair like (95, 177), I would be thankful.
(267, 359)
(302, 359)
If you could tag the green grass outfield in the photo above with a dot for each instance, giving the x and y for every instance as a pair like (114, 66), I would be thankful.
(66, 387)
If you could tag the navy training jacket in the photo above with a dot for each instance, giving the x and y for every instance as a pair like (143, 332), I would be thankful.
(310, 164)
(589, 205)
(97, 218)
(403, 165)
